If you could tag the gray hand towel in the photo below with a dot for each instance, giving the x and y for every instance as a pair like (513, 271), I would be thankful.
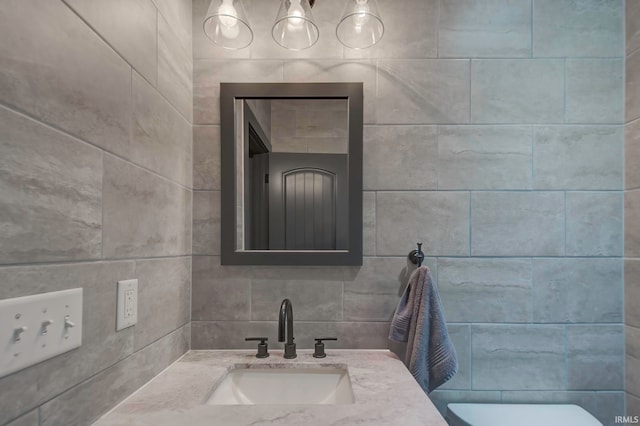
(419, 321)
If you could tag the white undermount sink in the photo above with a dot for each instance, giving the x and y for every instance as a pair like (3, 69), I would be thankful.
(275, 385)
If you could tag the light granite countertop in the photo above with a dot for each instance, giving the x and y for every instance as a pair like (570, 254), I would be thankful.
(384, 390)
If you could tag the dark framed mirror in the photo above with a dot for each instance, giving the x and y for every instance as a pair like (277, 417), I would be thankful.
(291, 158)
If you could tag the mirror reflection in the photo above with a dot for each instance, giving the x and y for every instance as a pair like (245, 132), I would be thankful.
(292, 174)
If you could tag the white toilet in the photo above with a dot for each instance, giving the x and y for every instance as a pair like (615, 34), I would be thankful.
(519, 415)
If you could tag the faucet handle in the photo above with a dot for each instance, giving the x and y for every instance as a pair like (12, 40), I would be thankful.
(319, 349)
(263, 348)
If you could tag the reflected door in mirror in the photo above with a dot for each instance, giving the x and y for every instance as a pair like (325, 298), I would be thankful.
(308, 196)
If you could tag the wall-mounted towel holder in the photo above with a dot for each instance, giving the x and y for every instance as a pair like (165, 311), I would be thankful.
(417, 256)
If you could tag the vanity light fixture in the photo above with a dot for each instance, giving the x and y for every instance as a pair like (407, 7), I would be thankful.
(227, 25)
(360, 25)
(294, 28)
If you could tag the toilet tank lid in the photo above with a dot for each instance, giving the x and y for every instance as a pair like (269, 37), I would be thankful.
(519, 414)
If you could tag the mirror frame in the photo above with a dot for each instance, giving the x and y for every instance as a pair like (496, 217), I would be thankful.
(229, 92)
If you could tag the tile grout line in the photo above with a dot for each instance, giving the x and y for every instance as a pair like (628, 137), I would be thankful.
(531, 33)
(564, 99)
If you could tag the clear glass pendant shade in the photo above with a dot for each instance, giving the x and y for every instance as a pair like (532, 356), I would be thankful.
(227, 25)
(295, 28)
(360, 25)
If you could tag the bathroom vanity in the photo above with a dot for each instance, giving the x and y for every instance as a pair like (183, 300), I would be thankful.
(372, 387)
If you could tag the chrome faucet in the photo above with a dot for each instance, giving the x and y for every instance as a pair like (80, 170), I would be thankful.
(286, 314)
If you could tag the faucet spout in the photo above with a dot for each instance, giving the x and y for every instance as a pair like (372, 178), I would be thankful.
(286, 316)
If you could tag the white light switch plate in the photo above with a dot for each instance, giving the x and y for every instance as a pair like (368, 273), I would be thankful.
(127, 304)
(39, 327)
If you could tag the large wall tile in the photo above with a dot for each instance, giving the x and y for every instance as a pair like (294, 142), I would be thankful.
(517, 91)
(578, 28)
(632, 292)
(80, 406)
(423, 91)
(494, 28)
(206, 222)
(577, 290)
(594, 224)
(595, 91)
(632, 26)
(517, 223)
(632, 86)
(373, 293)
(633, 360)
(356, 335)
(177, 13)
(632, 223)
(53, 72)
(144, 215)
(411, 31)
(160, 137)
(595, 357)
(220, 292)
(578, 157)
(400, 157)
(230, 334)
(312, 300)
(518, 357)
(316, 292)
(304, 273)
(164, 286)
(484, 157)
(128, 26)
(461, 338)
(369, 223)
(438, 219)
(175, 70)
(632, 155)
(485, 290)
(51, 187)
(208, 74)
(101, 346)
(327, 71)
(206, 158)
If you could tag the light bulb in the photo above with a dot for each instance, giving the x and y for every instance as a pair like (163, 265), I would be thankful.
(361, 14)
(228, 17)
(295, 19)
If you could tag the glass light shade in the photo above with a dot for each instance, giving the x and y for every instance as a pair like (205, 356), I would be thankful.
(361, 25)
(294, 28)
(226, 24)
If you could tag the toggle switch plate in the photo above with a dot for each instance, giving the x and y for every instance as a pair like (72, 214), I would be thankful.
(36, 328)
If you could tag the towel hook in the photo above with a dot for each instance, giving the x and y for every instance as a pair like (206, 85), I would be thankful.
(416, 256)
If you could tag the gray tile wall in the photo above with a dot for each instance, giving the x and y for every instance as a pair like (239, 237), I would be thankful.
(632, 208)
(493, 134)
(96, 177)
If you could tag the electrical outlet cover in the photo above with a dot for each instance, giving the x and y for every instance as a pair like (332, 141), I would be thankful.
(127, 314)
